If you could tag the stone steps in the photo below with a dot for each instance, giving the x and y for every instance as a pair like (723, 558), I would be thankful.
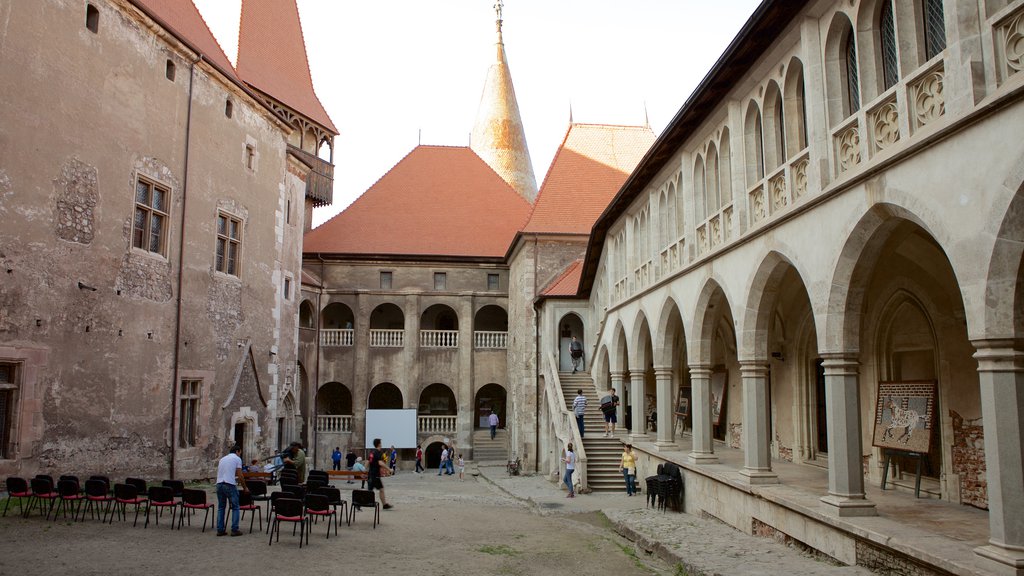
(603, 454)
(487, 450)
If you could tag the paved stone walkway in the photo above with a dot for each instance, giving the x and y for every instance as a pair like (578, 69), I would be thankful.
(700, 546)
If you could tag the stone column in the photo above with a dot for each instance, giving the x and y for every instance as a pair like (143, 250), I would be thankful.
(620, 411)
(666, 420)
(845, 469)
(757, 463)
(703, 451)
(638, 430)
(1001, 375)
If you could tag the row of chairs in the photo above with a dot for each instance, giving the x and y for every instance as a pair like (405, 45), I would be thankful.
(302, 512)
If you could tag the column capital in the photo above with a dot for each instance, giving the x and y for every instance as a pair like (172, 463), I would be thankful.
(841, 363)
(619, 374)
(700, 370)
(662, 372)
(998, 356)
(753, 369)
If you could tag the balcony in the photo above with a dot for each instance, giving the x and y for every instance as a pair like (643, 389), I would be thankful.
(334, 423)
(483, 340)
(437, 424)
(387, 338)
(439, 338)
(320, 181)
(332, 338)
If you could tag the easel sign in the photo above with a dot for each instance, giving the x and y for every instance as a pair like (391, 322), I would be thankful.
(905, 416)
(718, 381)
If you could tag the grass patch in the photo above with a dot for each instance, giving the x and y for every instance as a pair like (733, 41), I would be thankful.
(499, 550)
(681, 570)
(630, 552)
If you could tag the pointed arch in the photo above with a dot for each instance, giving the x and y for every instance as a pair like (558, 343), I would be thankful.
(795, 108)
(762, 296)
(753, 144)
(699, 188)
(725, 168)
(842, 85)
(774, 127)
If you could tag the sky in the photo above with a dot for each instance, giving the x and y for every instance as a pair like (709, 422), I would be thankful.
(392, 74)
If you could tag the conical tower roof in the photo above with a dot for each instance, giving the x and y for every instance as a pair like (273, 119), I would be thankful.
(498, 135)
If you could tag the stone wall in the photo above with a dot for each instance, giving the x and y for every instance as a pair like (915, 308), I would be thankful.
(969, 460)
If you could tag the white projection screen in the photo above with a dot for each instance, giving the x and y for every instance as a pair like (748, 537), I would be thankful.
(394, 428)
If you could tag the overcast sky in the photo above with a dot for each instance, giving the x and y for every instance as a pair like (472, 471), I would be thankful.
(398, 72)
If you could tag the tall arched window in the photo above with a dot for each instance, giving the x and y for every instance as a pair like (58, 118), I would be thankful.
(711, 196)
(677, 191)
(934, 28)
(852, 80)
(725, 168)
(795, 108)
(774, 127)
(699, 189)
(754, 145)
(887, 38)
(665, 228)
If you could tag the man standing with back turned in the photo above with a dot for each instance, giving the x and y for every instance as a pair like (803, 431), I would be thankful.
(579, 408)
(227, 490)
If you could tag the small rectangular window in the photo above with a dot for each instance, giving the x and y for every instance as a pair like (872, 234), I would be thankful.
(250, 157)
(188, 417)
(229, 108)
(92, 18)
(288, 212)
(440, 280)
(492, 282)
(149, 227)
(8, 398)
(287, 288)
(229, 243)
(169, 70)
(385, 280)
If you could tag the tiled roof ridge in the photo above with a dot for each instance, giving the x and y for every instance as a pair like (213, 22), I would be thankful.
(565, 273)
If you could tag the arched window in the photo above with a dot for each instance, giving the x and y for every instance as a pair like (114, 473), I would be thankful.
(754, 145)
(852, 80)
(677, 191)
(775, 146)
(711, 181)
(664, 220)
(934, 28)
(887, 39)
(700, 189)
(725, 168)
(795, 108)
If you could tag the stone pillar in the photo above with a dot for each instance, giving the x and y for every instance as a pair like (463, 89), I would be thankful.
(638, 430)
(620, 411)
(666, 421)
(703, 451)
(1001, 375)
(845, 469)
(757, 464)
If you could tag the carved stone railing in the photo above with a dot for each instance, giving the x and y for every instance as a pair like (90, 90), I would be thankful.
(846, 140)
(884, 123)
(563, 421)
(671, 258)
(621, 290)
(757, 203)
(334, 423)
(1009, 36)
(387, 338)
(483, 339)
(437, 424)
(331, 338)
(798, 175)
(778, 193)
(439, 338)
(926, 95)
(642, 275)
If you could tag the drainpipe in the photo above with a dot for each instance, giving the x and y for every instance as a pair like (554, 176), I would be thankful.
(536, 367)
(316, 387)
(181, 268)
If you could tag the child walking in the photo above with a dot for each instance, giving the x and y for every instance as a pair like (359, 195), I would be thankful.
(462, 469)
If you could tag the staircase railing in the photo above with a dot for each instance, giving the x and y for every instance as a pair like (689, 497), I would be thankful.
(563, 421)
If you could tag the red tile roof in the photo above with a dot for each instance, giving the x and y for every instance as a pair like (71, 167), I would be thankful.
(183, 19)
(437, 201)
(567, 282)
(586, 173)
(272, 57)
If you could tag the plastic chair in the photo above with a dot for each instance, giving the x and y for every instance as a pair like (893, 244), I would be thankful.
(320, 476)
(126, 495)
(97, 493)
(70, 496)
(246, 504)
(17, 487)
(366, 498)
(104, 479)
(274, 498)
(333, 496)
(161, 498)
(141, 488)
(70, 477)
(192, 500)
(177, 486)
(317, 507)
(42, 491)
(258, 490)
(296, 491)
(288, 510)
(313, 485)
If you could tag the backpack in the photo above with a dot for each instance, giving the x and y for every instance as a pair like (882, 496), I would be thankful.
(607, 405)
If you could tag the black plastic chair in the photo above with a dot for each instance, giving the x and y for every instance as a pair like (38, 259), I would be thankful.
(192, 500)
(288, 510)
(42, 491)
(274, 498)
(258, 490)
(247, 504)
(333, 496)
(17, 487)
(317, 507)
(320, 476)
(313, 485)
(127, 495)
(176, 486)
(367, 498)
(161, 498)
(141, 488)
(97, 497)
(69, 497)
(296, 491)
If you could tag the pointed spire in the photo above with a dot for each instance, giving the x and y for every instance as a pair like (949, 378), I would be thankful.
(570, 111)
(647, 120)
(498, 135)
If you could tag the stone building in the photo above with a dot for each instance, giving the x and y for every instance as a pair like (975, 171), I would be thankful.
(154, 200)
(824, 248)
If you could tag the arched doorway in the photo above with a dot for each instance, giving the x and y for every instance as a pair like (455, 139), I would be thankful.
(432, 455)
(490, 397)
(570, 325)
(385, 396)
(307, 317)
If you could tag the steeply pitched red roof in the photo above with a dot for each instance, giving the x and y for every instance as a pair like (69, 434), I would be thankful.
(183, 19)
(586, 173)
(567, 282)
(272, 57)
(437, 201)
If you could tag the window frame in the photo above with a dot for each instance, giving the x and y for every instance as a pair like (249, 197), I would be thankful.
(9, 410)
(92, 18)
(440, 280)
(390, 276)
(190, 394)
(497, 282)
(222, 260)
(151, 211)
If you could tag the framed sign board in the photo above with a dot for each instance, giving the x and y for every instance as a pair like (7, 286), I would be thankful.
(905, 416)
(718, 381)
(683, 410)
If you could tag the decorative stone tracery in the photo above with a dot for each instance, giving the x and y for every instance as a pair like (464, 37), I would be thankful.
(848, 147)
(928, 99)
(885, 125)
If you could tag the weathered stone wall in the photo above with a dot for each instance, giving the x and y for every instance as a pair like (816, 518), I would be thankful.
(969, 460)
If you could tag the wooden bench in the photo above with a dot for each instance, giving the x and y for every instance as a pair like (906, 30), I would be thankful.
(347, 475)
(265, 476)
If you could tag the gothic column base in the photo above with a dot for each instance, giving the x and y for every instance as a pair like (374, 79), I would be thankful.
(664, 445)
(701, 458)
(848, 507)
(1000, 560)
(637, 438)
(758, 477)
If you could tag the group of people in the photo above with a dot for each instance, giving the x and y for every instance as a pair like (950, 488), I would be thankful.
(449, 465)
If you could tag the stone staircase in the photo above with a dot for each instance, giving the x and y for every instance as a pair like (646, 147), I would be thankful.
(486, 450)
(603, 454)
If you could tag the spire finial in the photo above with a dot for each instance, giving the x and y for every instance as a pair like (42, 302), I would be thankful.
(647, 119)
(570, 111)
(497, 8)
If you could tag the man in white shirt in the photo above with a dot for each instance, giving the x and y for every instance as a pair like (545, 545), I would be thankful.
(228, 470)
(579, 407)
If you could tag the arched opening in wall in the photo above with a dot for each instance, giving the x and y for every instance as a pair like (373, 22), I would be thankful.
(887, 48)
(334, 399)
(310, 143)
(676, 189)
(914, 335)
(387, 317)
(385, 396)
(439, 317)
(336, 316)
(700, 188)
(681, 393)
(842, 86)
(240, 437)
(490, 397)
(569, 326)
(720, 354)
(307, 316)
(432, 455)
(665, 227)
(725, 168)
(644, 245)
(648, 412)
(775, 122)
(438, 400)
(326, 151)
(711, 187)
(753, 145)
(620, 356)
(286, 433)
(795, 109)
(490, 327)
